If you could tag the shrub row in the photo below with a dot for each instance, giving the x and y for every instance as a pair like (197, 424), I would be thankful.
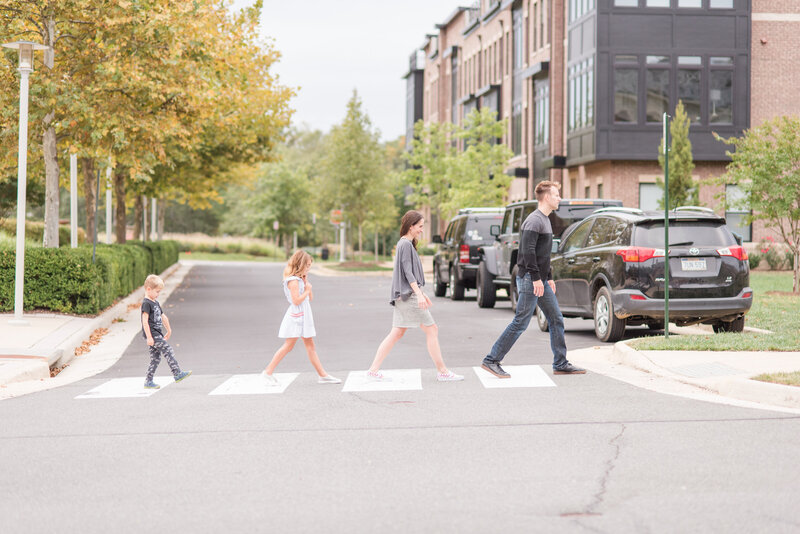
(66, 280)
(233, 247)
(34, 231)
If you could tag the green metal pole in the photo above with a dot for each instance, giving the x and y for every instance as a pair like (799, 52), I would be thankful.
(666, 226)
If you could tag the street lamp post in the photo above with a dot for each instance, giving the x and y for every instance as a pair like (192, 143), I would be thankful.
(26, 49)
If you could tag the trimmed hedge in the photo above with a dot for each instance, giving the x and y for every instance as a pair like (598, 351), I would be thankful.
(34, 231)
(66, 280)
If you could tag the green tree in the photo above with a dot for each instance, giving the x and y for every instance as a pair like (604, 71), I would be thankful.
(766, 167)
(355, 175)
(477, 174)
(682, 188)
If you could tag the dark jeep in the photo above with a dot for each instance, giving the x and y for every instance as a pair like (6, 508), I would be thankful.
(497, 265)
(456, 261)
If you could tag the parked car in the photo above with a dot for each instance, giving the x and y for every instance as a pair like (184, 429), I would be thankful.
(610, 268)
(497, 261)
(456, 261)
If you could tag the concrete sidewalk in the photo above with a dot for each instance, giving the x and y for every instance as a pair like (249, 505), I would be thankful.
(27, 353)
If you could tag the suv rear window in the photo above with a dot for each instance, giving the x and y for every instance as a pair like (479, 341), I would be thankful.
(686, 233)
(478, 229)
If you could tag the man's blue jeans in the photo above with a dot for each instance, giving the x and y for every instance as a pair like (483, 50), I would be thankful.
(525, 307)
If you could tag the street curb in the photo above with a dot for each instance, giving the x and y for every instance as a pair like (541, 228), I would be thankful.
(736, 387)
(66, 352)
(30, 368)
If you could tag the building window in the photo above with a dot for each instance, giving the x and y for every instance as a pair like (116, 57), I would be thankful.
(720, 4)
(542, 118)
(579, 8)
(581, 95)
(599, 190)
(657, 87)
(518, 36)
(737, 212)
(516, 129)
(689, 72)
(720, 93)
(626, 3)
(649, 196)
(626, 89)
(657, 3)
(690, 3)
(587, 192)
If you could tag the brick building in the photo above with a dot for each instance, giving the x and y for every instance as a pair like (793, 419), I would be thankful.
(584, 83)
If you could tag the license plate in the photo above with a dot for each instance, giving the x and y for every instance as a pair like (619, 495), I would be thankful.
(690, 264)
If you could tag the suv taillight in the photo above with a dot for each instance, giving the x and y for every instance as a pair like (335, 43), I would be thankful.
(639, 254)
(463, 254)
(736, 251)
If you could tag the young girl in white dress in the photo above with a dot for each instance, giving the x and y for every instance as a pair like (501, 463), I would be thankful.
(298, 322)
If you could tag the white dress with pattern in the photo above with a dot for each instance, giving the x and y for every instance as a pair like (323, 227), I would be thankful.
(298, 320)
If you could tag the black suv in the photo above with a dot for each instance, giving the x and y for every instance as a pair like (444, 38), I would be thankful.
(497, 265)
(610, 268)
(456, 261)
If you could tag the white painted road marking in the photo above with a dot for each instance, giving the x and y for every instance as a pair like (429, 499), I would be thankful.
(254, 384)
(522, 376)
(401, 380)
(125, 387)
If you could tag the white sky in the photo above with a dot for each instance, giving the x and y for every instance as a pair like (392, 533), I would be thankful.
(331, 47)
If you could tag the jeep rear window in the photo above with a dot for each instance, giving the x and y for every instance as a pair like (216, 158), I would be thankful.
(478, 229)
(688, 233)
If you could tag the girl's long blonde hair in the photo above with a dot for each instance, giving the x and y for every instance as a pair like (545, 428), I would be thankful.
(296, 264)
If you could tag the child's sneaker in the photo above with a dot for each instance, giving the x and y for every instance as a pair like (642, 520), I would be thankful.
(149, 384)
(377, 376)
(449, 376)
(328, 379)
(183, 374)
(269, 379)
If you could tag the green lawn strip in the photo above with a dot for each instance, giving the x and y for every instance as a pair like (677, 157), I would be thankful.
(221, 256)
(360, 268)
(787, 379)
(776, 312)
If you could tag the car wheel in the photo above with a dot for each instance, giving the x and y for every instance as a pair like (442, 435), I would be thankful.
(456, 288)
(439, 287)
(544, 326)
(513, 292)
(737, 325)
(607, 327)
(484, 284)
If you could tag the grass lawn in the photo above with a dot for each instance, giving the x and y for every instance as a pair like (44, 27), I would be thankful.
(775, 308)
(787, 379)
(222, 256)
(353, 266)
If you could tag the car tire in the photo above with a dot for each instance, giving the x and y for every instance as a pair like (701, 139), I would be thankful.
(513, 292)
(484, 284)
(607, 327)
(737, 325)
(544, 326)
(456, 287)
(439, 287)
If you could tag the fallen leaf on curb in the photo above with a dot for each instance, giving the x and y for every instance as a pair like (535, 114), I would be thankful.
(134, 305)
(94, 339)
(118, 320)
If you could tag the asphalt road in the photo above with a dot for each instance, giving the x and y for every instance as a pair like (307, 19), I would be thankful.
(589, 455)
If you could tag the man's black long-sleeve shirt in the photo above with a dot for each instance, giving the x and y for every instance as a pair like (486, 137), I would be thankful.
(535, 244)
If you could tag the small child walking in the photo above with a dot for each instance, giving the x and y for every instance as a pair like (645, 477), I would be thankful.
(156, 330)
(298, 322)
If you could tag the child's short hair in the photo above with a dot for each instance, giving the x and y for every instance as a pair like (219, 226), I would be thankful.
(297, 263)
(153, 281)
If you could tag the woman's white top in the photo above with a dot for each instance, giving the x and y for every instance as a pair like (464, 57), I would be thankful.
(298, 320)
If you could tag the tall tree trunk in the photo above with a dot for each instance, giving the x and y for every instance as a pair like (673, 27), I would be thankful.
(119, 193)
(360, 241)
(50, 149)
(89, 187)
(162, 214)
(376, 245)
(138, 208)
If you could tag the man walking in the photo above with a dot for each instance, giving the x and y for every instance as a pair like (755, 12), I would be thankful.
(536, 241)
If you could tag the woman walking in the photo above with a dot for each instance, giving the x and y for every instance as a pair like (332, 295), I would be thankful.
(411, 305)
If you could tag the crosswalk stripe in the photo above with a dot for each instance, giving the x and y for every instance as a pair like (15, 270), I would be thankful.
(125, 387)
(398, 380)
(254, 385)
(522, 376)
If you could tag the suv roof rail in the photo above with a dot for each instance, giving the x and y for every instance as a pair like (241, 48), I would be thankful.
(694, 208)
(462, 211)
(634, 211)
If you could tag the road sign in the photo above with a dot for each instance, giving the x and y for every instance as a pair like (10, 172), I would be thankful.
(336, 217)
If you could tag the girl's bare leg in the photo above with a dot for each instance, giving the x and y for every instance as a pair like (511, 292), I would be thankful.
(386, 347)
(432, 340)
(287, 346)
(313, 357)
